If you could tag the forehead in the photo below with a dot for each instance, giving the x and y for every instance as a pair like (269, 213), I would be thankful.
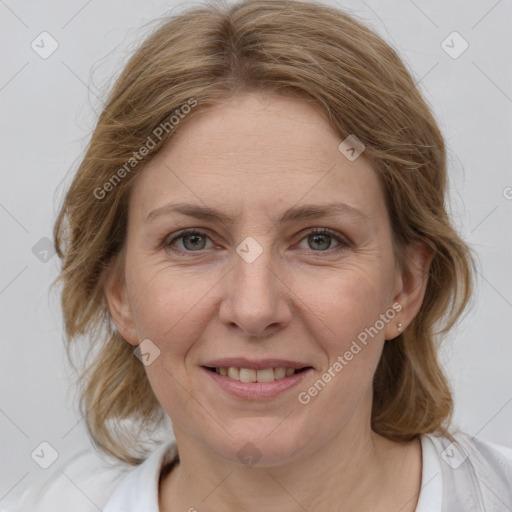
(257, 152)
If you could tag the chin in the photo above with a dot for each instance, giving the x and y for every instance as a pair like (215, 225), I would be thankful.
(265, 446)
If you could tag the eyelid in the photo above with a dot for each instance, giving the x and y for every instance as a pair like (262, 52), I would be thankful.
(327, 231)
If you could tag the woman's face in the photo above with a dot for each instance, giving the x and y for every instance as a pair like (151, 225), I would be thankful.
(258, 285)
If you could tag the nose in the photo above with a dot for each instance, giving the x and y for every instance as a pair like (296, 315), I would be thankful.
(256, 299)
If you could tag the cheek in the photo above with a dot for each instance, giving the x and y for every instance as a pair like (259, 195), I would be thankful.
(347, 317)
(170, 306)
(345, 302)
(352, 342)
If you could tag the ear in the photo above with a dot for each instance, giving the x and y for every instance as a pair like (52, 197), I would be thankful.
(410, 286)
(116, 294)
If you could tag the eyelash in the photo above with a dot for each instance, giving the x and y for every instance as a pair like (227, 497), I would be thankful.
(343, 243)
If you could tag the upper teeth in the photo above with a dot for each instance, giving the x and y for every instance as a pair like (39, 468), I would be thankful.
(251, 375)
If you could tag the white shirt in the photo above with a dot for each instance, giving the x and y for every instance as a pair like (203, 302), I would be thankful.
(83, 485)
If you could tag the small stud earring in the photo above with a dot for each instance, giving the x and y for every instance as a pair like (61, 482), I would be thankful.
(399, 326)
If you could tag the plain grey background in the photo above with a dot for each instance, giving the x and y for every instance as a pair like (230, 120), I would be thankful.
(48, 106)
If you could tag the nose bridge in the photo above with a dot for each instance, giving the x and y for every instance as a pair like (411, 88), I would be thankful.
(254, 282)
(252, 263)
(255, 298)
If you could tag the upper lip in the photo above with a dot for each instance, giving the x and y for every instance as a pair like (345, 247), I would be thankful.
(260, 364)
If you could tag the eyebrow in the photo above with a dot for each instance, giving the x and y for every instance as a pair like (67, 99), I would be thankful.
(308, 211)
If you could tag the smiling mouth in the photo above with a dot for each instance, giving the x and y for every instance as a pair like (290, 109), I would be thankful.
(252, 375)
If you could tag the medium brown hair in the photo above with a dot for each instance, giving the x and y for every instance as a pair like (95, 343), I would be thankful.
(212, 52)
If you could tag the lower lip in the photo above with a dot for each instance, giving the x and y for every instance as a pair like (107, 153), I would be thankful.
(257, 390)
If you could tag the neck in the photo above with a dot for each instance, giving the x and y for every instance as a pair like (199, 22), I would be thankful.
(357, 470)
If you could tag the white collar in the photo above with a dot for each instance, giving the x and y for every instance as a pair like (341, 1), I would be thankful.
(431, 494)
(138, 490)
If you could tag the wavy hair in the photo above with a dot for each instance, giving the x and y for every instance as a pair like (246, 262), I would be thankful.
(209, 53)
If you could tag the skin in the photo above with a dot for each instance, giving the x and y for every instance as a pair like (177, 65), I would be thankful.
(252, 158)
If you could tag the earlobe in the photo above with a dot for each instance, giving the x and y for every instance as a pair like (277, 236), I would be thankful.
(413, 280)
(116, 295)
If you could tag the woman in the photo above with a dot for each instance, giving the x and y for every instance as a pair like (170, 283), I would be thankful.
(257, 243)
